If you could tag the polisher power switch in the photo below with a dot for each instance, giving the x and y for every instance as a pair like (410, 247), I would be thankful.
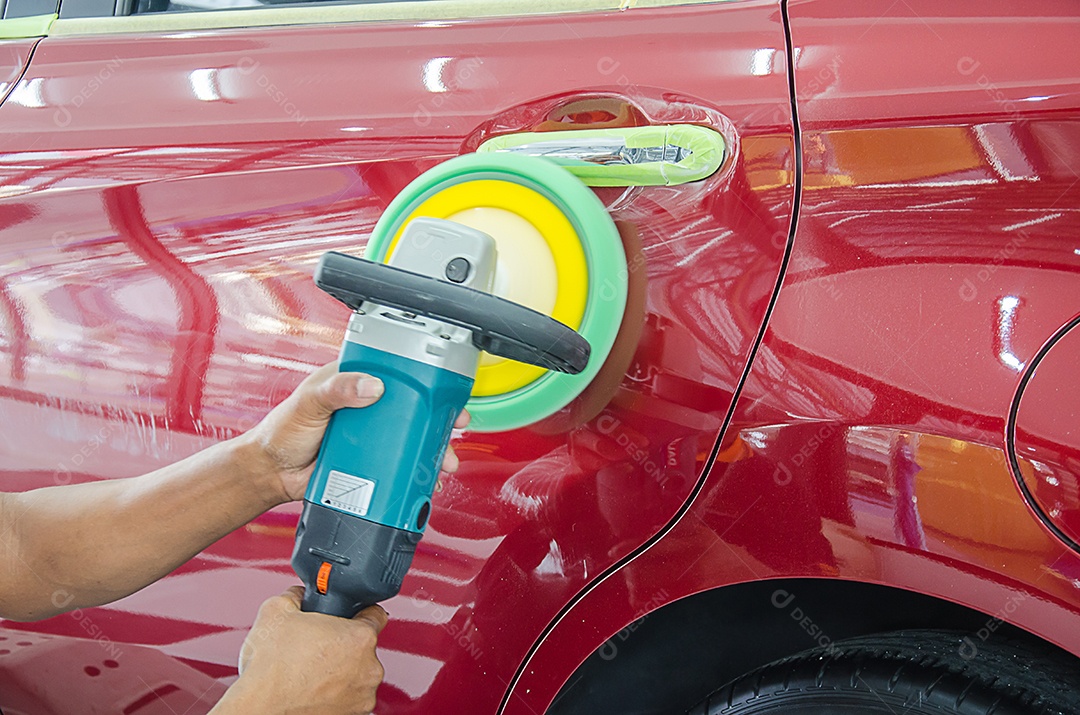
(369, 496)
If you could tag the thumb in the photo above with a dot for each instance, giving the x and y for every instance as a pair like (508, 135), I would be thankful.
(375, 616)
(285, 603)
(331, 390)
(293, 597)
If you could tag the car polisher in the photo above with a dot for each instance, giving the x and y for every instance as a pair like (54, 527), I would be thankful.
(419, 324)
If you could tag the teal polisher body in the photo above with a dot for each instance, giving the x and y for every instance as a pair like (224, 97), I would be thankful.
(419, 324)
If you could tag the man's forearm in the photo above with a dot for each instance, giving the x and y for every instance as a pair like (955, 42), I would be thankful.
(84, 545)
(81, 545)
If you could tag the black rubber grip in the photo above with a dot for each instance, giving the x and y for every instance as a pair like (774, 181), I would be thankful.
(364, 562)
(498, 326)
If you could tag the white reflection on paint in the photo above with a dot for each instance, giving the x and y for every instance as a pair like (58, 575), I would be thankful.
(204, 84)
(755, 439)
(29, 94)
(1006, 319)
(1004, 151)
(762, 62)
(1032, 222)
(433, 71)
(927, 184)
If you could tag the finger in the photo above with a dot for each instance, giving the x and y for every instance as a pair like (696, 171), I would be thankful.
(375, 616)
(318, 400)
(450, 461)
(293, 596)
(284, 603)
(349, 389)
(320, 374)
(462, 420)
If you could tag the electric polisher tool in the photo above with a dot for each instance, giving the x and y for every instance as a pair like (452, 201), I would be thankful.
(419, 324)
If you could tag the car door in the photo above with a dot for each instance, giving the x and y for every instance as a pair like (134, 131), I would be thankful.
(14, 54)
(170, 179)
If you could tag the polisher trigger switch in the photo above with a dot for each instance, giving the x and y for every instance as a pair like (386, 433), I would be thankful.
(457, 270)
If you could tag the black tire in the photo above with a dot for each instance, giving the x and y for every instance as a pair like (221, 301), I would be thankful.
(909, 672)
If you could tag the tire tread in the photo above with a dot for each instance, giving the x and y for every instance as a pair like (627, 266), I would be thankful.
(1006, 676)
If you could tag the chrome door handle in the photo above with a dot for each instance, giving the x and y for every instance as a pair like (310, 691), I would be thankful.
(662, 155)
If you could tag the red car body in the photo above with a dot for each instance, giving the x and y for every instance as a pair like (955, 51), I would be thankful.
(823, 417)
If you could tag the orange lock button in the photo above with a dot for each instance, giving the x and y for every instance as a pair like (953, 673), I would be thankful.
(322, 581)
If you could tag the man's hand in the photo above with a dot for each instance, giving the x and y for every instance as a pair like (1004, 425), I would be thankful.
(294, 662)
(82, 545)
(288, 438)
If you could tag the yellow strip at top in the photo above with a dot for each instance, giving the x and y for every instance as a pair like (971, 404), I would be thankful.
(427, 11)
(18, 28)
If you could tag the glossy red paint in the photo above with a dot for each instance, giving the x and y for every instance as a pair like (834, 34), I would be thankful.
(1046, 440)
(160, 231)
(89, 670)
(936, 252)
(159, 256)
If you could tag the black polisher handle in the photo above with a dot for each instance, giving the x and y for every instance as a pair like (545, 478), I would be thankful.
(498, 326)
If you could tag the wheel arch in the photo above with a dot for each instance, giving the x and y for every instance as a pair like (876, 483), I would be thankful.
(717, 635)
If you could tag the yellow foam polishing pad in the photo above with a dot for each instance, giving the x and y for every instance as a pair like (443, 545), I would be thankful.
(541, 263)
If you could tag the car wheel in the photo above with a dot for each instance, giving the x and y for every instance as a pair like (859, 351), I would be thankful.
(911, 672)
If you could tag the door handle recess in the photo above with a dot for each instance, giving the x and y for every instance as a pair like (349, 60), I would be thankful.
(662, 155)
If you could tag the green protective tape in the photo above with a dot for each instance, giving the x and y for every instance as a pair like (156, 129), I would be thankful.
(18, 28)
(706, 147)
(310, 14)
(604, 256)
